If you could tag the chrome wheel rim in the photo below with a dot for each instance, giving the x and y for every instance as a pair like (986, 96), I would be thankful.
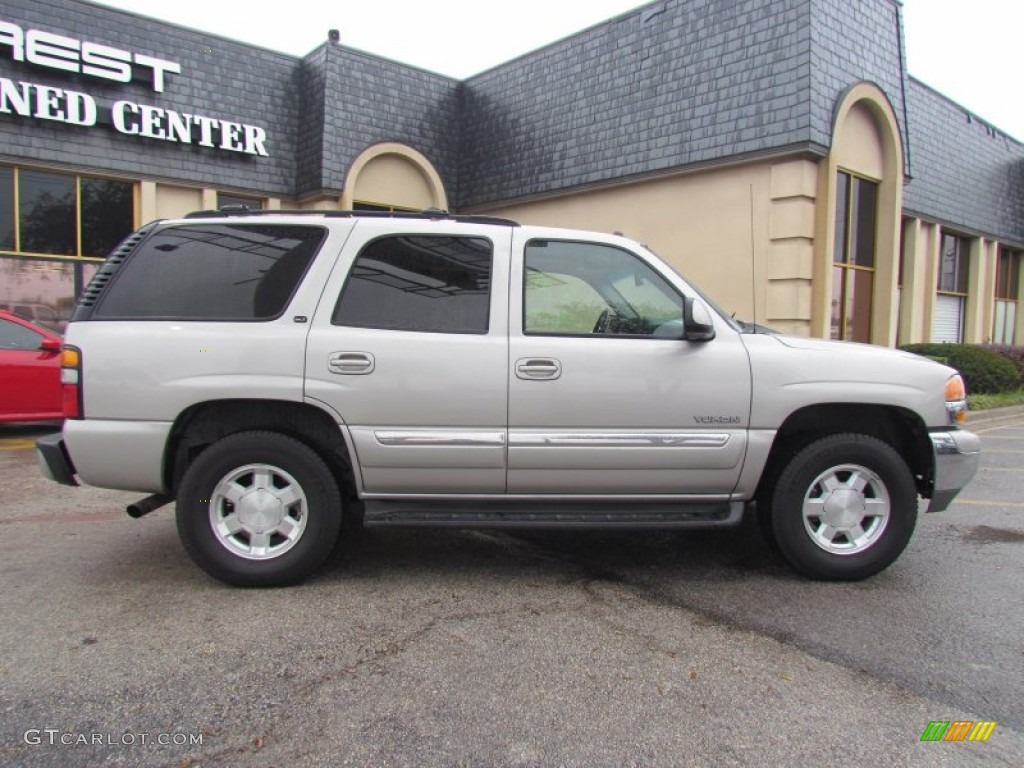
(258, 511)
(846, 509)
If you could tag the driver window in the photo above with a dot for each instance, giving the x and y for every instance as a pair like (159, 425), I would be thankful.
(587, 289)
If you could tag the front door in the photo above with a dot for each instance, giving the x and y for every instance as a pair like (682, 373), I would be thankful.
(409, 346)
(604, 395)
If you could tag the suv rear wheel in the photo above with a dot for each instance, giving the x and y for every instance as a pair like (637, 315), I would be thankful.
(843, 508)
(258, 509)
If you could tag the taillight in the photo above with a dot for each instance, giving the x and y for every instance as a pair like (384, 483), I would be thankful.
(71, 381)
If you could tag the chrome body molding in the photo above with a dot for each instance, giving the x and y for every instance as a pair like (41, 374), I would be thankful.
(402, 438)
(619, 440)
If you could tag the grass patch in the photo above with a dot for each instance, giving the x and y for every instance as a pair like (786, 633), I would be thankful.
(995, 400)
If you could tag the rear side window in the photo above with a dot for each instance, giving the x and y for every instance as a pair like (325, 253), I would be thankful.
(213, 272)
(426, 283)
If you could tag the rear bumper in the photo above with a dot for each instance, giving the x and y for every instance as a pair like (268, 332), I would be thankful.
(957, 454)
(54, 461)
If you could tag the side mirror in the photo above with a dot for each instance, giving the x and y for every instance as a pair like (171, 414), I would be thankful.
(49, 345)
(697, 322)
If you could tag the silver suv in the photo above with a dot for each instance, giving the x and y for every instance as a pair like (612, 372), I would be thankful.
(274, 372)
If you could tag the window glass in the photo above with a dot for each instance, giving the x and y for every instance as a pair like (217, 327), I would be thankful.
(252, 203)
(14, 336)
(586, 289)
(854, 257)
(50, 207)
(842, 216)
(865, 208)
(425, 283)
(46, 218)
(6, 209)
(953, 264)
(107, 214)
(1008, 275)
(212, 272)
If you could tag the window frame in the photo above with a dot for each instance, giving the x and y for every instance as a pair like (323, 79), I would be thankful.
(393, 235)
(845, 262)
(1006, 295)
(77, 178)
(963, 257)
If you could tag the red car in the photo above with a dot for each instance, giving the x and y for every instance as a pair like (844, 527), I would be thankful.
(30, 388)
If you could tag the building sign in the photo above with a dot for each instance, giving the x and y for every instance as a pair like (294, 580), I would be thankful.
(43, 102)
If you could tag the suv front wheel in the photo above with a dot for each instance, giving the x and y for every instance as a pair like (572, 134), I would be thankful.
(843, 508)
(258, 509)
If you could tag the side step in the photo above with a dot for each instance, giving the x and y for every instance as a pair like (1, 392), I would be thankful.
(548, 514)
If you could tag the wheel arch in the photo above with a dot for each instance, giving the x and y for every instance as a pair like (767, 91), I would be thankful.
(901, 428)
(202, 424)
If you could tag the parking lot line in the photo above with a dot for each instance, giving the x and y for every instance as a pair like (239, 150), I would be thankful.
(983, 503)
(16, 444)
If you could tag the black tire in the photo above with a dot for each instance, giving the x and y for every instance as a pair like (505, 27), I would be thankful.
(868, 503)
(291, 504)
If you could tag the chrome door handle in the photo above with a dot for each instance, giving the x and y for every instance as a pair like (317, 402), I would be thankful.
(538, 368)
(351, 363)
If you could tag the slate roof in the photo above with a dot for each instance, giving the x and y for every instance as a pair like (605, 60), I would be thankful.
(670, 84)
(967, 174)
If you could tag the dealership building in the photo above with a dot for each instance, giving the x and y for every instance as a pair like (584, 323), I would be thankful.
(777, 152)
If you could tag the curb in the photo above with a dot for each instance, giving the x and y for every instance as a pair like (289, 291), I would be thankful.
(982, 421)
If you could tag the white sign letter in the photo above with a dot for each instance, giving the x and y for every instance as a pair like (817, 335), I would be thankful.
(54, 51)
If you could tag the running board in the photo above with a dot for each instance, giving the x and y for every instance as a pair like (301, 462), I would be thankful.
(545, 514)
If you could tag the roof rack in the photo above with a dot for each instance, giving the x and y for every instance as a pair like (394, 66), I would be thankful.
(431, 214)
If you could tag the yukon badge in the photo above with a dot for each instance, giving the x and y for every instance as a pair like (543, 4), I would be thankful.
(717, 419)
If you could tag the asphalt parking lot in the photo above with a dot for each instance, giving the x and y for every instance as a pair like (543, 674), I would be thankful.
(490, 649)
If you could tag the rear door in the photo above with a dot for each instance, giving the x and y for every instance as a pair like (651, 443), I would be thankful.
(409, 345)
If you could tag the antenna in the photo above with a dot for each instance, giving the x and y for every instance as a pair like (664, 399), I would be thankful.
(753, 263)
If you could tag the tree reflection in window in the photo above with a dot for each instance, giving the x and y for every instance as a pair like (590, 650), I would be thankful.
(46, 208)
(50, 206)
(426, 283)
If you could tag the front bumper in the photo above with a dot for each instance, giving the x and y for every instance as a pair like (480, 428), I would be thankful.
(54, 461)
(957, 454)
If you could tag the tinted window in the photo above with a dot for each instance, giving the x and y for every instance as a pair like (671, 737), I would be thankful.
(46, 207)
(14, 336)
(425, 283)
(107, 214)
(580, 289)
(213, 272)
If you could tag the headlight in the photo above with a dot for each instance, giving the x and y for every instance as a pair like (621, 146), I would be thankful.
(956, 400)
